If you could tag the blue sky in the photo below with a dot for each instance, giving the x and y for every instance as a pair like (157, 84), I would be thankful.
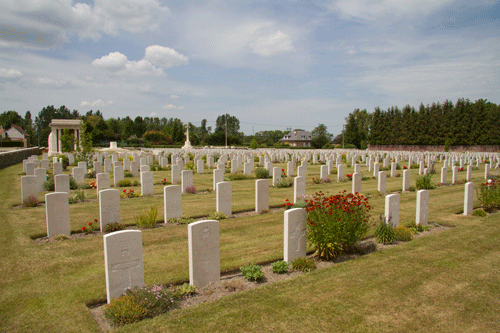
(272, 64)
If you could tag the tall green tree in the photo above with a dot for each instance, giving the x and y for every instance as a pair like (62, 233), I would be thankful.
(44, 118)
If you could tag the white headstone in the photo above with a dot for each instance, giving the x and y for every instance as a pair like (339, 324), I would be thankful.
(392, 209)
(204, 253)
(276, 175)
(147, 185)
(134, 168)
(295, 234)
(41, 176)
(324, 172)
(224, 198)
(340, 172)
(176, 174)
(299, 188)
(468, 198)
(261, 195)
(406, 180)
(118, 175)
(123, 261)
(97, 167)
(109, 207)
(422, 216)
(103, 182)
(382, 176)
(200, 166)
(57, 214)
(61, 183)
(57, 168)
(172, 202)
(29, 187)
(78, 175)
(187, 180)
(218, 177)
(356, 182)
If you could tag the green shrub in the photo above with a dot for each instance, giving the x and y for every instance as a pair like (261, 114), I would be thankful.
(398, 167)
(414, 166)
(49, 184)
(252, 272)
(135, 183)
(284, 183)
(261, 173)
(114, 226)
(147, 219)
(337, 222)
(189, 166)
(280, 266)
(128, 174)
(181, 220)
(402, 233)
(384, 233)
(217, 216)
(184, 290)
(489, 195)
(416, 228)
(140, 303)
(303, 264)
(479, 212)
(125, 310)
(80, 194)
(424, 182)
(124, 183)
(235, 176)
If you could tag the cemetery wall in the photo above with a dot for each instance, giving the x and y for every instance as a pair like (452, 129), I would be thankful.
(9, 158)
(435, 148)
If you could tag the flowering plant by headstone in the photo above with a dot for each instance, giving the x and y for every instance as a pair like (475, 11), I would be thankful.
(337, 222)
(91, 227)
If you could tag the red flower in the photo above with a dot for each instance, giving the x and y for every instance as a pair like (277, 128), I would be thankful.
(164, 179)
(123, 191)
(83, 229)
(90, 223)
(313, 178)
(283, 170)
(95, 220)
(286, 200)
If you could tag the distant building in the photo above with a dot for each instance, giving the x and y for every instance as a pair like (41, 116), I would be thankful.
(297, 138)
(16, 133)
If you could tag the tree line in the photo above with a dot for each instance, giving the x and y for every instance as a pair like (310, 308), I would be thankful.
(463, 123)
(139, 131)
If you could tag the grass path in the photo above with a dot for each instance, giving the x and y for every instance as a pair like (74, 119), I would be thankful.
(444, 282)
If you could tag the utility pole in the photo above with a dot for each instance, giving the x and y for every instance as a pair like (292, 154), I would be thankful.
(226, 128)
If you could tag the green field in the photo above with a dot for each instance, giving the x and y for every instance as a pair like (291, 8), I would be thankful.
(444, 282)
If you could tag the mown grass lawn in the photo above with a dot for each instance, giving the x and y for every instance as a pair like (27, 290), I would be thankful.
(444, 282)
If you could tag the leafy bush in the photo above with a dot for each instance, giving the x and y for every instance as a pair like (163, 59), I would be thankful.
(424, 182)
(280, 267)
(140, 303)
(479, 212)
(252, 272)
(181, 220)
(384, 232)
(398, 167)
(261, 173)
(235, 176)
(284, 183)
(49, 184)
(217, 216)
(128, 174)
(147, 219)
(402, 233)
(135, 183)
(124, 183)
(416, 228)
(31, 201)
(303, 264)
(336, 223)
(316, 180)
(489, 195)
(114, 226)
(184, 290)
(189, 166)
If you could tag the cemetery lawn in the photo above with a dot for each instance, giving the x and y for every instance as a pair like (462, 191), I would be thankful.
(444, 282)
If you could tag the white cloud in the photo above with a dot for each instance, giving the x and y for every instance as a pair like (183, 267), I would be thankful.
(50, 83)
(117, 63)
(174, 97)
(46, 24)
(173, 107)
(164, 56)
(9, 74)
(375, 9)
(96, 103)
(272, 44)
